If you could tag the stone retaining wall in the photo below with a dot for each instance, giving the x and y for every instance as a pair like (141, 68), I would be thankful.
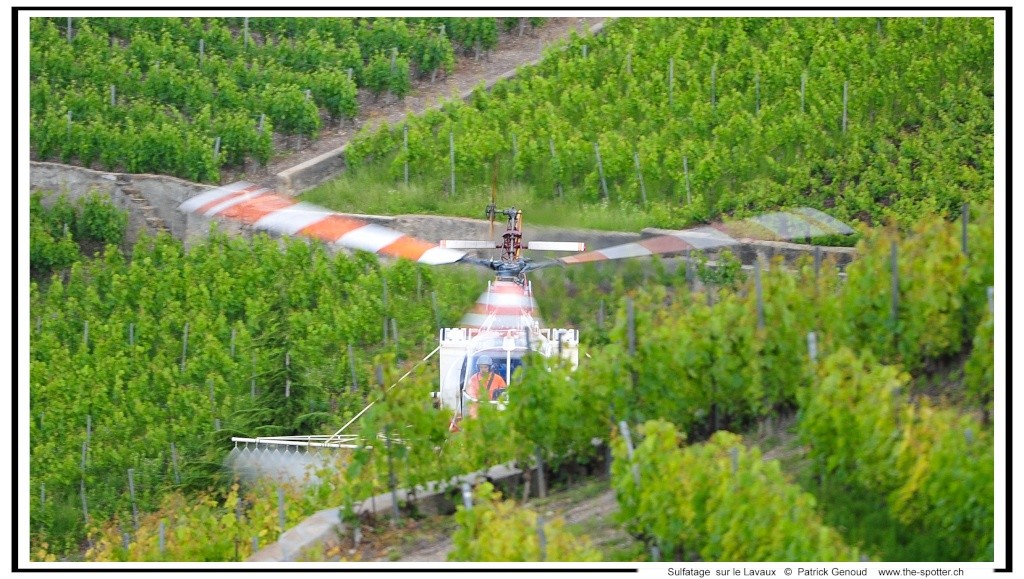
(325, 529)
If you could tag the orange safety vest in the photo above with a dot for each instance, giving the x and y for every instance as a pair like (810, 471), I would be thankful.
(494, 383)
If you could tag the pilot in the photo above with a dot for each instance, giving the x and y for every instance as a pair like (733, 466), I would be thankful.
(494, 383)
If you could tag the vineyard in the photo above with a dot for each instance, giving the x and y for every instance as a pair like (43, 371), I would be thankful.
(178, 350)
(145, 359)
(188, 96)
(869, 118)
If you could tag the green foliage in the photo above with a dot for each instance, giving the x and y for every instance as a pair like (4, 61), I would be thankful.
(726, 272)
(947, 467)
(268, 332)
(939, 289)
(163, 84)
(497, 530)
(291, 110)
(979, 372)
(54, 232)
(719, 501)
(47, 252)
(100, 220)
(558, 412)
(850, 418)
(387, 73)
(337, 92)
(934, 465)
(913, 144)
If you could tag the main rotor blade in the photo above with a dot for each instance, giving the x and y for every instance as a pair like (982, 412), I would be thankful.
(802, 223)
(264, 209)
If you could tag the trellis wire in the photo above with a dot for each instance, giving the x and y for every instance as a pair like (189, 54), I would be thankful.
(894, 261)
(846, 86)
(714, 72)
(131, 494)
(964, 217)
(437, 312)
(541, 539)
(624, 428)
(640, 177)
(671, 78)
(392, 481)
(252, 378)
(394, 336)
(451, 150)
(85, 504)
(631, 326)
(600, 170)
(542, 486)
(757, 93)
(352, 367)
(760, 293)
(174, 464)
(803, 88)
(686, 179)
(184, 347)
(554, 159)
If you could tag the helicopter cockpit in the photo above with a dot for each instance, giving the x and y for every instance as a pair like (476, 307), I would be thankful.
(462, 349)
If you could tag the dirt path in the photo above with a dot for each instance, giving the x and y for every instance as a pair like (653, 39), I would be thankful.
(512, 51)
(590, 515)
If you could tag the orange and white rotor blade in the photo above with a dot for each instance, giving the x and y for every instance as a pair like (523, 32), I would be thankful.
(264, 209)
(801, 223)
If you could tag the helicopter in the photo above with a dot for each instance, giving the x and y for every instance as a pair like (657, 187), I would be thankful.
(504, 324)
